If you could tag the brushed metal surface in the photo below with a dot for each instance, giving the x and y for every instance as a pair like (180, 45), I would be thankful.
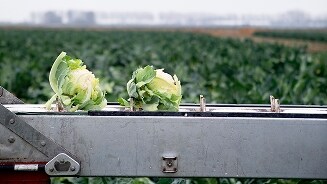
(205, 146)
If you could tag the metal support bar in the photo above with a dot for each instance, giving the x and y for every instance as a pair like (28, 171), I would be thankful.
(40, 142)
(7, 98)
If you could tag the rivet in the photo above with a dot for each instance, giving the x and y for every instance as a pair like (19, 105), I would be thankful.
(43, 143)
(169, 163)
(11, 121)
(11, 139)
(72, 168)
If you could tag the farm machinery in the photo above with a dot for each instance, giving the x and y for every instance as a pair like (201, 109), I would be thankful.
(200, 140)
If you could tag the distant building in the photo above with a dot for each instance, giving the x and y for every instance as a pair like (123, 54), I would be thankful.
(292, 19)
(126, 18)
(81, 18)
(47, 18)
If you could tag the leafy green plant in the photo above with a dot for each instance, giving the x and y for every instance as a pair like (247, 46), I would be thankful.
(75, 87)
(153, 90)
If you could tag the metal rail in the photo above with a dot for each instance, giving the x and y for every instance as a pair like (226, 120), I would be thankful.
(195, 146)
(184, 108)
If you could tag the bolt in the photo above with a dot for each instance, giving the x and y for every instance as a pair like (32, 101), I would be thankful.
(72, 168)
(11, 121)
(51, 169)
(11, 139)
(43, 143)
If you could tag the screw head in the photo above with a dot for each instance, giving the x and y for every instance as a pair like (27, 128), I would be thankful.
(51, 169)
(11, 139)
(11, 121)
(72, 168)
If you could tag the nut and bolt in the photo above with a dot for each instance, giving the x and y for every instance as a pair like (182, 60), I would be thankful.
(11, 139)
(11, 121)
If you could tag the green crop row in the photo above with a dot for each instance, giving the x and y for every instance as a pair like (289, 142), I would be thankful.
(308, 35)
(223, 70)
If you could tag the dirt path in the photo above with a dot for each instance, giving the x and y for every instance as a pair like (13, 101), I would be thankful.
(248, 33)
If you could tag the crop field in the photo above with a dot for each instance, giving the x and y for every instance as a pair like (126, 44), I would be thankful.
(224, 70)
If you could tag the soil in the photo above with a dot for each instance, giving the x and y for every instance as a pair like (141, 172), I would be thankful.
(243, 33)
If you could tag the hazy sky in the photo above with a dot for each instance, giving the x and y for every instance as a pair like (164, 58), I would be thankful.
(20, 10)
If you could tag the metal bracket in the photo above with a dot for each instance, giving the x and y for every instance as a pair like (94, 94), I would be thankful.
(202, 104)
(275, 104)
(7, 98)
(62, 165)
(22, 129)
(131, 104)
(169, 164)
